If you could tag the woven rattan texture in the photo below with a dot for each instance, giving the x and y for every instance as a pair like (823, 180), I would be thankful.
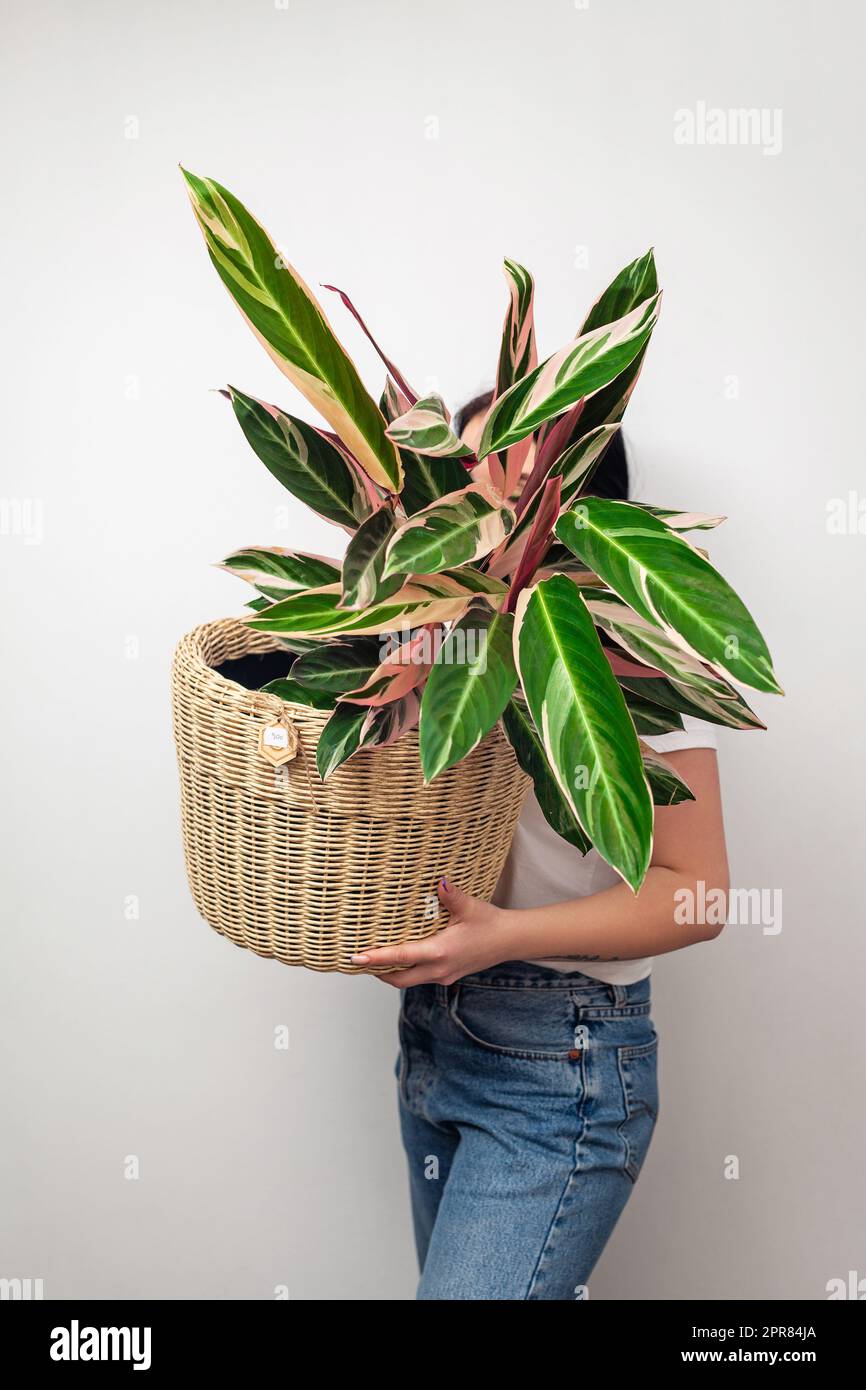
(307, 872)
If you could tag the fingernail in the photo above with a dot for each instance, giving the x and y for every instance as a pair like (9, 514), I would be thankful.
(359, 960)
(443, 883)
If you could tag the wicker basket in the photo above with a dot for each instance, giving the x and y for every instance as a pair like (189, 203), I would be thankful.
(310, 872)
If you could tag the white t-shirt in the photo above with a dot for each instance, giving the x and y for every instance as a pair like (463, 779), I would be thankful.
(543, 868)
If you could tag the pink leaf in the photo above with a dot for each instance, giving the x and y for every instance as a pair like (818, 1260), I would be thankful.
(398, 674)
(537, 541)
(554, 440)
(621, 666)
(401, 381)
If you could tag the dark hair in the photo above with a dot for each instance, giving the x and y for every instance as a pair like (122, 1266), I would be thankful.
(610, 479)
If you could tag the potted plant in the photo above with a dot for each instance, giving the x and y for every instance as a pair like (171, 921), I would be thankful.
(373, 724)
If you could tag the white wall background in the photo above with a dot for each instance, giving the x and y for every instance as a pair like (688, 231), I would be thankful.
(553, 128)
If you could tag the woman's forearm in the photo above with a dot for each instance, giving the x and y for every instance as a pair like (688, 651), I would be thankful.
(613, 924)
(688, 856)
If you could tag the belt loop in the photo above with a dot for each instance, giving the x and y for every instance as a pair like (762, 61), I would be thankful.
(442, 995)
(618, 995)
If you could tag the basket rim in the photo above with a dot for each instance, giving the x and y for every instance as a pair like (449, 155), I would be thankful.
(189, 651)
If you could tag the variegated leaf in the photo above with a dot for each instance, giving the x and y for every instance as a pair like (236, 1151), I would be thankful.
(426, 429)
(712, 697)
(455, 530)
(664, 579)
(667, 787)
(393, 720)
(472, 680)
(682, 521)
(630, 288)
(517, 354)
(352, 727)
(303, 459)
(588, 735)
(553, 439)
(399, 672)
(317, 613)
(575, 467)
(634, 285)
(340, 738)
(648, 718)
(393, 401)
(291, 325)
(276, 573)
(576, 464)
(363, 583)
(529, 750)
(338, 666)
(296, 694)
(585, 365)
(683, 699)
(517, 358)
(425, 479)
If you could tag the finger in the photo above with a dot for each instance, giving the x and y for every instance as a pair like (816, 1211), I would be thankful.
(407, 954)
(453, 899)
(418, 975)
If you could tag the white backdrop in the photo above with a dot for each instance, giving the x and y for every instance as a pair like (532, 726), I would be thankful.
(155, 1141)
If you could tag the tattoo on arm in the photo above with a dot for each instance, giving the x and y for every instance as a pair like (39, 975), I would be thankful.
(588, 957)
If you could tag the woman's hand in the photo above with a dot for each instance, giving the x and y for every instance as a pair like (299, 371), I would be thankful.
(476, 937)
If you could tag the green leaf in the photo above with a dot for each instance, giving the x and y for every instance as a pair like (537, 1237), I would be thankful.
(631, 287)
(341, 666)
(472, 680)
(428, 479)
(588, 363)
(524, 739)
(649, 719)
(588, 735)
(666, 581)
(297, 694)
(364, 562)
(672, 695)
(276, 573)
(668, 789)
(302, 459)
(340, 738)
(292, 326)
(454, 531)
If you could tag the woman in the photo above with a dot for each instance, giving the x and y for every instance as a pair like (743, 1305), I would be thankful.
(527, 1075)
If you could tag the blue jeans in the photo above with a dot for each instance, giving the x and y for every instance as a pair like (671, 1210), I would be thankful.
(528, 1099)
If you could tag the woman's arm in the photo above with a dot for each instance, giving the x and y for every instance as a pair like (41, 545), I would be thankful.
(688, 851)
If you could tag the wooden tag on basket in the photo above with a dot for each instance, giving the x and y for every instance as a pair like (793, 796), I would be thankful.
(278, 743)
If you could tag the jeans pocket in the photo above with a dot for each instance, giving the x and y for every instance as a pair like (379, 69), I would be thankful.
(638, 1071)
(532, 1024)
